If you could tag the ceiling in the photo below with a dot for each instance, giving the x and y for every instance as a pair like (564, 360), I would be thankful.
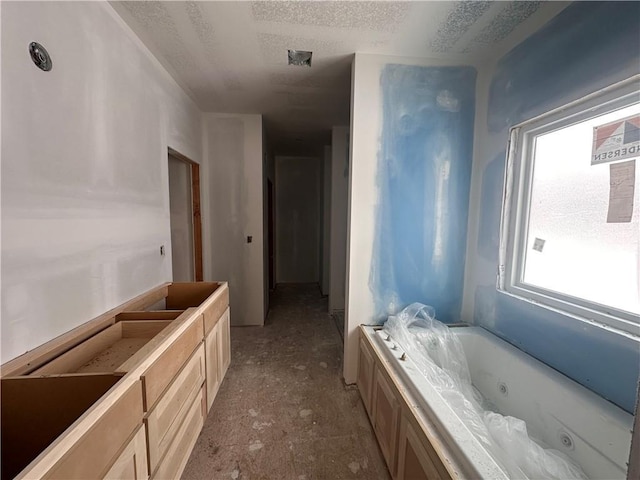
(232, 56)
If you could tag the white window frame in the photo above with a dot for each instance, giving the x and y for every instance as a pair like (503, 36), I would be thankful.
(516, 206)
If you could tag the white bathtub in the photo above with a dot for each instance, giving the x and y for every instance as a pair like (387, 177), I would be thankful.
(559, 412)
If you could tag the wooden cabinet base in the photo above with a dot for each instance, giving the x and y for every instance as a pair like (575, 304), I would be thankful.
(165, 419)
(132, 462)
(177, 455)
(405, 442)
(124, 395)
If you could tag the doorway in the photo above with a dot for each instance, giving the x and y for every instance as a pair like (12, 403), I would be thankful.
(271, 235)
(186, 226)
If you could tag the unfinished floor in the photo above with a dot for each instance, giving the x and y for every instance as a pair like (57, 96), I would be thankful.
(283, 411)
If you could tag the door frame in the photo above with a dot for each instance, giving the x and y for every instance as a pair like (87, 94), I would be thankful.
(195, 209)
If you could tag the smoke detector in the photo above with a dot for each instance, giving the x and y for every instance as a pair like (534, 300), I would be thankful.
(299, 58)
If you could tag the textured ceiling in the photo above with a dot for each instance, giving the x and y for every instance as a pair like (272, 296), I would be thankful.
(232, 56)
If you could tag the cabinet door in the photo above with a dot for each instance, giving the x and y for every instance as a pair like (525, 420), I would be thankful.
(386, 416)
(365, 375)
(224, 344)
(173, 463)
(213, 374)
(172, 407)
(132, 462)
(414, 461)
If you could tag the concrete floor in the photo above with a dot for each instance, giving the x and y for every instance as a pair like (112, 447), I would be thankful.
(283, 411)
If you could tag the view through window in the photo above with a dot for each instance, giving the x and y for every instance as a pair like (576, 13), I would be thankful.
(583, 236)
(570, 232)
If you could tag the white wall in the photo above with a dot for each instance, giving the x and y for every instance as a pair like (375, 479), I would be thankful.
(233, 170)
(85, 204)
(326, 221)
(339, 209)
(298, 222)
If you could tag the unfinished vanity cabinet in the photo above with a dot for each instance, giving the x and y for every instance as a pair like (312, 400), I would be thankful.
(385, 418)
(365, 376)
(163, 369)
(214, 379)
(131, 464)
(217, 348)
(224, 344)
(177, 455)
(165, 419)
(107, 351)
(123, 396)
(416, 458)
(37, 410)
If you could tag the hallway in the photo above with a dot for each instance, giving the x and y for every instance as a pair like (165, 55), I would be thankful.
(283, 411)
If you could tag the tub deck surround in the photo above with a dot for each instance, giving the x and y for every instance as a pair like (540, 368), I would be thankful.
(559, 413)
(141, 382)
(422, 448)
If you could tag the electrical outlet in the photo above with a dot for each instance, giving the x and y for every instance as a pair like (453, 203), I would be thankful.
(249, 239)
(162, 250)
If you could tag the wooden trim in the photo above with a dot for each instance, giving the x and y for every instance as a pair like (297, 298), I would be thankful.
(33, 359)
(196, 212)
(149, 315)
(197, 221)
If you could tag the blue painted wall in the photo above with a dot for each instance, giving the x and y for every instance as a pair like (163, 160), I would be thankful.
(586, 47)
(424, 174)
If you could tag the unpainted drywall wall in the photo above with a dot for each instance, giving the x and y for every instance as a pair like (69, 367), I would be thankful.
(560, 63)
(326, 221)
(298, 206)
(85, 203)
(233, 170)
(339, 209)
(181, 219)
(411, 154)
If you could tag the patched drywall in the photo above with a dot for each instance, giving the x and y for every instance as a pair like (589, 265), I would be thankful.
(560, 63)
(234, 172)
(298, 220)
(424, 172)
(400, 142)
(85, 202)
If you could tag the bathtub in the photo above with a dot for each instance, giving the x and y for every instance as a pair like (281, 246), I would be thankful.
(559, 412)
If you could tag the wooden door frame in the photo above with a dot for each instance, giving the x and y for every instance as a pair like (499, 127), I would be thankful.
(195, 210)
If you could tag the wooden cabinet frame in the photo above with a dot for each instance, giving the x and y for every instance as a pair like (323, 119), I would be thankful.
(97, 439)
(408, 439)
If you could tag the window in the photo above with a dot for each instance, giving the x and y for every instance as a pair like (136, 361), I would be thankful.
(570, 233)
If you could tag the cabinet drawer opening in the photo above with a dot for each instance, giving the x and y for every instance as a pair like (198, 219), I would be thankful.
(36, 410)
(106, 351)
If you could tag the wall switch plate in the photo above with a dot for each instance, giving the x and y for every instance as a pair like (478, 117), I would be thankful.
(162, 250)
(249, 239)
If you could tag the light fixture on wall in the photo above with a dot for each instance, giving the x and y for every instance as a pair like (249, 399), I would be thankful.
(299, 58)
(40, 56)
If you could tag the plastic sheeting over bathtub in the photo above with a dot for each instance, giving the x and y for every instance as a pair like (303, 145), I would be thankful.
(424, 170)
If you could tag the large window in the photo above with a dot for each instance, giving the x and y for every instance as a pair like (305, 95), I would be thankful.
(571, 220)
